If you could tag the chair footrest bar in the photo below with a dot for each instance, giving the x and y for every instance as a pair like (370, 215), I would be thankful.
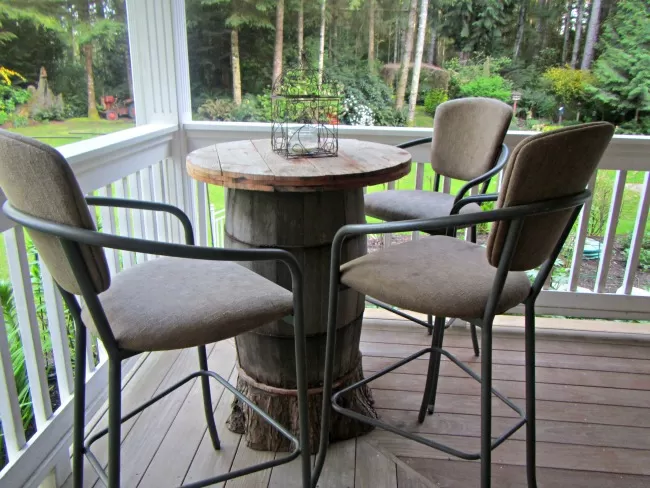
(396, 311)
(405, 315)
(97, 466)
(415, 437)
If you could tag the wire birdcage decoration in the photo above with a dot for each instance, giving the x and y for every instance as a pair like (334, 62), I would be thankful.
(305, 111)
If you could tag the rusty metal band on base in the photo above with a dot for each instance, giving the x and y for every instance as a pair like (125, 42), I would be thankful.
(293, 392)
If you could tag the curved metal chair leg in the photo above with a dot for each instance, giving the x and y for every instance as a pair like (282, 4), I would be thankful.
(430, 321)
(472, 328)
(207, 399)
(530, 395)
(429, 397)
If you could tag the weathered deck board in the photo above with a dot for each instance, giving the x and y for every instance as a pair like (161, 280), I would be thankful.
(371, 469)
(593, 418)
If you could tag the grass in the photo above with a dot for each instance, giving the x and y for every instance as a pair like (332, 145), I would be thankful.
(72, 130)
(422, 119)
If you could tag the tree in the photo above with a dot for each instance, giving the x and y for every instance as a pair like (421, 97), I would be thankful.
(433, 42)
(301, 31)
(279, 39)
(576, 41)
(622, 71)
(41, 13)
(521, 24)
(86, 44)
(243, 13)
(417, 65)
(567, 31)
(321, 48)
(406, 58)
(592, 35)
(371, 35)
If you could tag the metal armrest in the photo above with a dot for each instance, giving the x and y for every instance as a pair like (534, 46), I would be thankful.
(147, 205)
(482, 198)
(414, 142)
(501, 162)
(439, 223)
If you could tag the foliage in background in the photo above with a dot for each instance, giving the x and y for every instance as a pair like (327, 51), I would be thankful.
(644, 254)
(17, 355)
(600, 205)
(622, 71)
(488, 86)
(10, 96)
(433, 99)
(567, 84)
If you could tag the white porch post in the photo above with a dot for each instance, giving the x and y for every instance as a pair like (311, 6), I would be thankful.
(161, 81)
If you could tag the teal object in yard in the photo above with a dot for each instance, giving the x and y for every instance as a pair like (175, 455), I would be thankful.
(592, 249)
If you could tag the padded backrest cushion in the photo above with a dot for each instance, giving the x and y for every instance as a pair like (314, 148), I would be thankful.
(37, 180)
(467, 136)
(544, 166)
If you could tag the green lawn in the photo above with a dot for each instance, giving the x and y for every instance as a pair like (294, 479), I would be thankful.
(72, 130)
(422, 119)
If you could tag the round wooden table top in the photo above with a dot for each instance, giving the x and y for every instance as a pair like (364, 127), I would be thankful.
(252, 165)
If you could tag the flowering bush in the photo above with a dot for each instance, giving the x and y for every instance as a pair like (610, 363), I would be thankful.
(10, 96)
(356, 113)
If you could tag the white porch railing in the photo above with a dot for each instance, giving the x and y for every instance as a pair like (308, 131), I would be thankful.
(146, 163)
(136, 163)
(624, 155)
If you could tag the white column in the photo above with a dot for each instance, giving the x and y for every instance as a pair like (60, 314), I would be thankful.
(161, 84)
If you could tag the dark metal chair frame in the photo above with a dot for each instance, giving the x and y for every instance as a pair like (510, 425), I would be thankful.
(70, 238)
(459, 202)
(516, 216)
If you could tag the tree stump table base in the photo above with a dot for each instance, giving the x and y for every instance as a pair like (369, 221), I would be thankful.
(297, 205)
(283, 406)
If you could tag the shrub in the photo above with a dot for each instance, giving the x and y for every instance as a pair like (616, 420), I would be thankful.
(54, 112)
(644, 254)
(487, 86)
(600, 204)
(433, 99)
(632, 127)
(247, 111)
(10, 96)
(361, 88)
(218, 109)
(568, 84)
(355, 112)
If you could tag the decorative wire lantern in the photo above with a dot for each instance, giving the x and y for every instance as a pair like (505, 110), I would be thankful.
(305, 109)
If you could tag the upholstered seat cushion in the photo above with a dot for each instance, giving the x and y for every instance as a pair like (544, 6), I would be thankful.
(436, 275)
(172, 303)
(395, 205)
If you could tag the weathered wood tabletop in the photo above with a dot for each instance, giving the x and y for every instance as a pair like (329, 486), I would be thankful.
(297, 204)
(252, 165)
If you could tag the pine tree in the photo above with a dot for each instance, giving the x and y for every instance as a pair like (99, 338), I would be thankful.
(623, 69)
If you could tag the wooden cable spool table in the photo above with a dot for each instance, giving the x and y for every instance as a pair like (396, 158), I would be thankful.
(297, 204)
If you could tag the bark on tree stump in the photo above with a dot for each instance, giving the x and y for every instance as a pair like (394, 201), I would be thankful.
(304, 224)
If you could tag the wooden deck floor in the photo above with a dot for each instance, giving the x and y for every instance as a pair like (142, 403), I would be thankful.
(593, 418)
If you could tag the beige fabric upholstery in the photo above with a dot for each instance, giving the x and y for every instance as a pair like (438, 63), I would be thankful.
(436, 275)
(37, 180)
(467, 136)
(544, 166)
(411, 204)
(172, 303)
